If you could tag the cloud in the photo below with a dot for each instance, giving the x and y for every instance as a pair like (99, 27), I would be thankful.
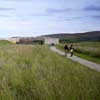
(52, 10)
(92, 8)
(96, 16)
(18, 0)
(71, 19)
(6, 9)
(39, 14)
(5, 16)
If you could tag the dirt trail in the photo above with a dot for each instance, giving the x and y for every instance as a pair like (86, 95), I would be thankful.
(87, 63)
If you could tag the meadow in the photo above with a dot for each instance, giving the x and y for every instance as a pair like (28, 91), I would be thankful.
(5, 43)
(30, 72)
(90, 48)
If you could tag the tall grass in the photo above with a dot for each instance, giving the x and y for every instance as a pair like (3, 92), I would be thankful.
(85, 50)
(89, 48)
(5, 42)
(36, 73)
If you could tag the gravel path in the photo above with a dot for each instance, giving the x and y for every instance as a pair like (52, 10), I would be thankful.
(87, 63)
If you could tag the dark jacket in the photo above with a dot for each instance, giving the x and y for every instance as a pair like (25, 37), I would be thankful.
(66, 47)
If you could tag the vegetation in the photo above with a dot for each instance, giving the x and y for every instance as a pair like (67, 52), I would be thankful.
(86, 50)
(84, 56)
(89, 48)
(60, 46)
(36, 73)
(4, 42)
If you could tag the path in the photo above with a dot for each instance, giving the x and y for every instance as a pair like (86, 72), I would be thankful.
(89, 64)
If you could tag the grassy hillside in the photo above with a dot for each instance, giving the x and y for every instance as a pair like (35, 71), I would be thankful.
(4, 42)
(76, 37)
(36, 73)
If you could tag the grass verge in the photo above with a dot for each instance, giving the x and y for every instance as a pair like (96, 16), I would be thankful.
(36, 73)
(82, 55)
(89, 58)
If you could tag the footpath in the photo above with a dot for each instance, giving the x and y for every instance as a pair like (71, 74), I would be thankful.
(87, 63)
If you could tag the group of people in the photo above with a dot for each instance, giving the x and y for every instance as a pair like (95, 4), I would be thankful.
(69, 49)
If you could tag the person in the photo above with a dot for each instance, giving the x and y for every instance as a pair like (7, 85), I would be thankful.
(71, 50)
(66, 49)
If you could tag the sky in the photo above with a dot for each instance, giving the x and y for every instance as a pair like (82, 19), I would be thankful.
(38, 17)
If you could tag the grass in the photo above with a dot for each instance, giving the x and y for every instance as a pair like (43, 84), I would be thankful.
(86, 50)
(89, 48)
(36, 73)
(60, 46)
(90, 58)
(5, 42)
(93, 44)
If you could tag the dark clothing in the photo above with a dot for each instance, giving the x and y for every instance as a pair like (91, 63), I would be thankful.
(71, 47)
(66, 47)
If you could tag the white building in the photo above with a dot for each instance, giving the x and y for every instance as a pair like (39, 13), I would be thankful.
(49, 40)
(13, 40)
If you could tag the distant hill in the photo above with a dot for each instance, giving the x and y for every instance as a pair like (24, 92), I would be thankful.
(76, 37)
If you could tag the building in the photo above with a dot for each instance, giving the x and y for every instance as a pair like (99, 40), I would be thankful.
(51, 41)
(14, 39)
(32, 40)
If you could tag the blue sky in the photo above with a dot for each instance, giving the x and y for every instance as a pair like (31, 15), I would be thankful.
(38, 17)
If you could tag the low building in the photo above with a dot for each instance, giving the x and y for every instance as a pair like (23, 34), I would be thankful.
(51, 41)
(32, 40)
(14, 39)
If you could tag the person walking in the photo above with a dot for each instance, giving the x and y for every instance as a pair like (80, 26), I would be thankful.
(66, 49)
(71, 50)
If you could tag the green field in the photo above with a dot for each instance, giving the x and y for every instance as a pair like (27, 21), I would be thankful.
(88, 50)
(5, 42)
(35, 73)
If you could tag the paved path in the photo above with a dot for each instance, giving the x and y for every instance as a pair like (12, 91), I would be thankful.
(89, 64)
